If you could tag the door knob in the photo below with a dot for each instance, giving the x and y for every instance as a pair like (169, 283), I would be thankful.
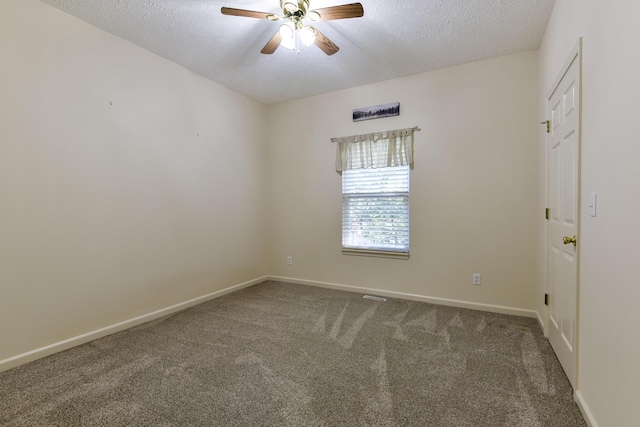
(568, 240)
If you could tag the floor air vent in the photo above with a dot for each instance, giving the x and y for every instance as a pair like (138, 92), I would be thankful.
(371, 297)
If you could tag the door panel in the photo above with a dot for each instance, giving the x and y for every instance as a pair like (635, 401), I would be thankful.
(563, 194)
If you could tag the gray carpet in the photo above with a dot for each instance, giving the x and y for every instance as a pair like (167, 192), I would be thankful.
(278, 354)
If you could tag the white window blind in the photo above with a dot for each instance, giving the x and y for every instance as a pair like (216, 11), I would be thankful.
(375, 211)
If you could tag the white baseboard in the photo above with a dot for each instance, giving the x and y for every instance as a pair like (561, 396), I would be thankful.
(584, 408)
(541, 323)
(48, 350)
(433, 300)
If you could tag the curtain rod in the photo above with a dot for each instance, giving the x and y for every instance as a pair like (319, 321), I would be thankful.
(415, 128)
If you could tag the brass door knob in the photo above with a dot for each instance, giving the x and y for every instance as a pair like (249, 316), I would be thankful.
(568, 240)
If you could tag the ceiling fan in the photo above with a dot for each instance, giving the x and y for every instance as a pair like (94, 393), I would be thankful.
(294, 30)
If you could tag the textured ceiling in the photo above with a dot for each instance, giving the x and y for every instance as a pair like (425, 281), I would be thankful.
(393, 39)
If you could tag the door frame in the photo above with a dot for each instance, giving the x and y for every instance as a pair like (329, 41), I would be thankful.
(575, 56)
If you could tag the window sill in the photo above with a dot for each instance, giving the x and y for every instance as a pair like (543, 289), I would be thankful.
(374, 253)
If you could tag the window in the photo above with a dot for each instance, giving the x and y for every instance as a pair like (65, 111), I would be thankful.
(375, 211)
(375, 192)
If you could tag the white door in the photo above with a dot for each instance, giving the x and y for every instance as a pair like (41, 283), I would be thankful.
(562, 228)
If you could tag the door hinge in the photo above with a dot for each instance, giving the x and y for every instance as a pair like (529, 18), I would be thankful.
(548, 123)
(546, 213)
(546, 299)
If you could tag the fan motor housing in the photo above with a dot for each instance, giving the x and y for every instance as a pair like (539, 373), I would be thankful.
(294, 9)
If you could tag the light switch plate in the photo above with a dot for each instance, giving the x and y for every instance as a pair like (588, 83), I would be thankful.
(593, 201)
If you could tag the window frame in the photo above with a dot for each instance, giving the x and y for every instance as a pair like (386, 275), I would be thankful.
(382, 251)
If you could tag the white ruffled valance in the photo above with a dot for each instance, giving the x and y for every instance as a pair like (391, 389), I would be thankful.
(375, 150)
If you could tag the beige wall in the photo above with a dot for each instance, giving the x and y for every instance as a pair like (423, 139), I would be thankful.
(127, 183)
(609, 342)
(473, 188)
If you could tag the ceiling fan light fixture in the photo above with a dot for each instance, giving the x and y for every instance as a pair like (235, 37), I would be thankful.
(287, 30)
(288, 35)
(307, 35)
(289, 44)
(294, 33)
(290, 6)
(314, 16)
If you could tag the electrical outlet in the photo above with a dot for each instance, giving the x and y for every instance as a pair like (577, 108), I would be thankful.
(476, 279)
(289, 260)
